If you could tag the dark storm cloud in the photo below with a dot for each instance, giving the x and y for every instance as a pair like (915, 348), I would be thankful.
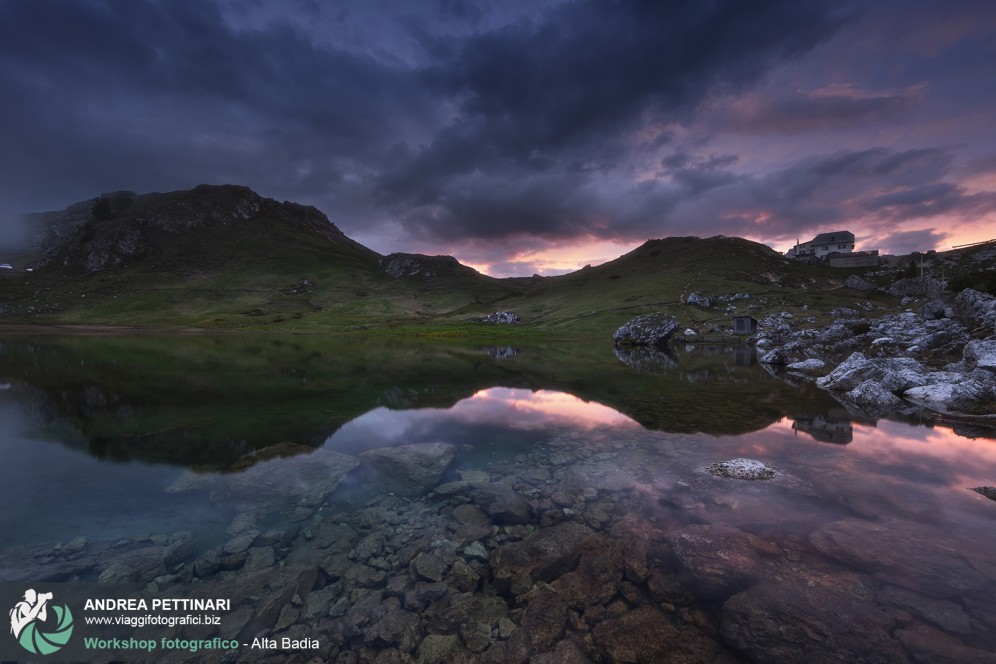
(838, 189)
(147, 95)
(566, 93)
(514, 125)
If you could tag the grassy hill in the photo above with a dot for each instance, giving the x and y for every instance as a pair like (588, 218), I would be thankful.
(222, 257)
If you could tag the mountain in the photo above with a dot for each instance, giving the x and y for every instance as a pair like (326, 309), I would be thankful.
(225, 257)
(216, 256)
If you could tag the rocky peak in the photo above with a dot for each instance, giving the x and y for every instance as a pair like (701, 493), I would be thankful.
(400, 265)
(120, 226)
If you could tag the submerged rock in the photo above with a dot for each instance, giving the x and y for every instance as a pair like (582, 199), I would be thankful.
(900, 553)
(410, 469)
(742, 469)
(648, 330)
(543, 556)
(788, 622)
(719, 559)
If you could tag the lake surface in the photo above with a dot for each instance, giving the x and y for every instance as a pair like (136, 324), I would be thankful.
(551, 502)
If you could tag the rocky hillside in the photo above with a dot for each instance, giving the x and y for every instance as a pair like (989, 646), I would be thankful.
(123, 229)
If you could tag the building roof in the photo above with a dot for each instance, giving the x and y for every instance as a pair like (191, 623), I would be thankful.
(833, 238)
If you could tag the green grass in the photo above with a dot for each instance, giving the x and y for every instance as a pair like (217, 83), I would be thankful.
(254, 278)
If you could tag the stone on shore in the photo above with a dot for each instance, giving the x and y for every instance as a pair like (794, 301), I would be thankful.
(502, 318)
(980, 354)
(812, 366)
(977, 309)
(648, 330)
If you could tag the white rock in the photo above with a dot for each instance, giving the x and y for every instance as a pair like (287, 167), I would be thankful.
(811, 366)
(980, 354)
(936, 396)
(742, 469)
(689, 332)
(872, 394)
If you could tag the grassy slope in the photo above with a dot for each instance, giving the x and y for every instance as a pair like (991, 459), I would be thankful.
(252, 275)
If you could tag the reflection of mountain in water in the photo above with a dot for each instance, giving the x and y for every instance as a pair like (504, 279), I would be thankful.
(833, 427)
(207, 401)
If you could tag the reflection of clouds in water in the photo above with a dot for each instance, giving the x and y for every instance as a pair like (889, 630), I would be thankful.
(916, 470)
(499, 406)
(516, 407)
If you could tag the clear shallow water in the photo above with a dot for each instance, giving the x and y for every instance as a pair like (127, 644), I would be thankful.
(874, 517)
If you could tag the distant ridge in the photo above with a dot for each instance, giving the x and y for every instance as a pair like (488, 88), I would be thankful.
(222, 256)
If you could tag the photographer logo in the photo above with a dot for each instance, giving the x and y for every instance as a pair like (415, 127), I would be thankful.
(30, 624)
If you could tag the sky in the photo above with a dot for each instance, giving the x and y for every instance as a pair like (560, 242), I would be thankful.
(522, 136)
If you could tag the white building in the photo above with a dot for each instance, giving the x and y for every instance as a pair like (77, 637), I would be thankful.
(837, 242)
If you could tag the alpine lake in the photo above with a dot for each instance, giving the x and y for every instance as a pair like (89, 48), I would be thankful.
(384, 500)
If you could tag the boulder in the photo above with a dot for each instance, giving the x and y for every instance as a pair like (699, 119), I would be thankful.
(941, 612)
(642, 635)
(598, 575)
(718, 559)
(872, 399)
(933, 310)
(811, 366)
(410, 469)
(857, 283)
(789, 622)
(508, 507)
(265, 485)
(648, 330)
(916, 287)
(774, 356)
(926, 644)
(901, 553)
(976, 309)
(700, 300)
(543, 556)
(980, 354)
(502, 318)
(967, 393)
(895, 374)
